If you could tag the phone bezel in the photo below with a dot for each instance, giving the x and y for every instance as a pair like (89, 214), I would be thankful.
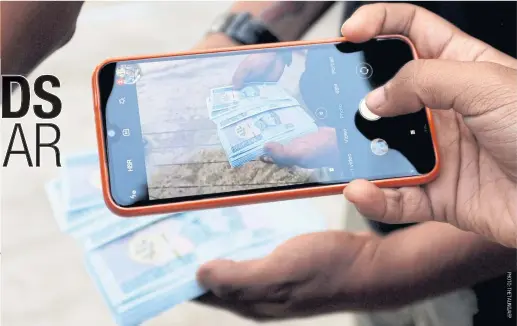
(266, 195)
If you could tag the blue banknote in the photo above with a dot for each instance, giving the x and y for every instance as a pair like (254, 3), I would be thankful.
(69, 221)
(144, 266)
(109, 227)
(151, 304)
(81, 181)
(93, 227)
(153, 268)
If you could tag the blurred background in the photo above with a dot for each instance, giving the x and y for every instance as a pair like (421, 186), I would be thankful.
(44, 281)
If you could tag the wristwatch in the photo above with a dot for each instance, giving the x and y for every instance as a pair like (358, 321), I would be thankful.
(243, 29)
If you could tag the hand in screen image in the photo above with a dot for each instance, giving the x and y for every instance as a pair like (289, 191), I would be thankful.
(315, 150)
(261, 67)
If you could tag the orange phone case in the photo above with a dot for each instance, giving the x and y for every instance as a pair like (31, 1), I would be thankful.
(234, 200)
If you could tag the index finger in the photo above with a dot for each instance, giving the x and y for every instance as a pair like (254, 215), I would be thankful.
(433, 36)
(244, 280)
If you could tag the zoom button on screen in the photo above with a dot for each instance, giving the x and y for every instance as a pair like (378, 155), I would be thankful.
(364, 70)
(321, 113)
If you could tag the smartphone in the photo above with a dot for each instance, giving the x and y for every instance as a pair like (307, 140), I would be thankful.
(235, 126)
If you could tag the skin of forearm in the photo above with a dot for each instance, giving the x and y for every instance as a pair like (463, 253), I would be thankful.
(288, 20)
(427, 260)
(32, 30)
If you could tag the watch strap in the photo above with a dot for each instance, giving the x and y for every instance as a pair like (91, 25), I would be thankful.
(245, 30)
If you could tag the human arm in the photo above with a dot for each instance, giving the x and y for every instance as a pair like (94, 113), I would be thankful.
(33, 30)
(288, 20)
(471, 88)
(337, 271)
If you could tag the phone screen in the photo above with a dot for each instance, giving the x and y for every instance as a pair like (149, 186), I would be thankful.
(209, 125)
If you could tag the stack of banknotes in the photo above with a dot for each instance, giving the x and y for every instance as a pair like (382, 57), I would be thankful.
(146, 265)
(254, 115)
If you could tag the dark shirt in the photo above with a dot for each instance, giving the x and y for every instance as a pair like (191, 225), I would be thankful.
(493, 22)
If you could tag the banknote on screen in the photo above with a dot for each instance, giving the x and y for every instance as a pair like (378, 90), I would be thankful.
(223, 97)
(257, 114)
(258, 129)
(243, 112)
(269, 126)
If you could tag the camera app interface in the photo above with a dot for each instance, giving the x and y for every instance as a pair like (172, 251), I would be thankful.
(202, 125)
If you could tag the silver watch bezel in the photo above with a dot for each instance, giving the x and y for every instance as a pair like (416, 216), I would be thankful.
(219, 22)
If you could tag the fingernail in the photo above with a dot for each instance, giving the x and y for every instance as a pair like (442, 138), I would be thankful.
(376, 98)
(346, 193)
(343, 26)
(346, 24)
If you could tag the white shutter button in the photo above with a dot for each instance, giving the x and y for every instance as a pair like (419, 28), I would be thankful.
(366, 113)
